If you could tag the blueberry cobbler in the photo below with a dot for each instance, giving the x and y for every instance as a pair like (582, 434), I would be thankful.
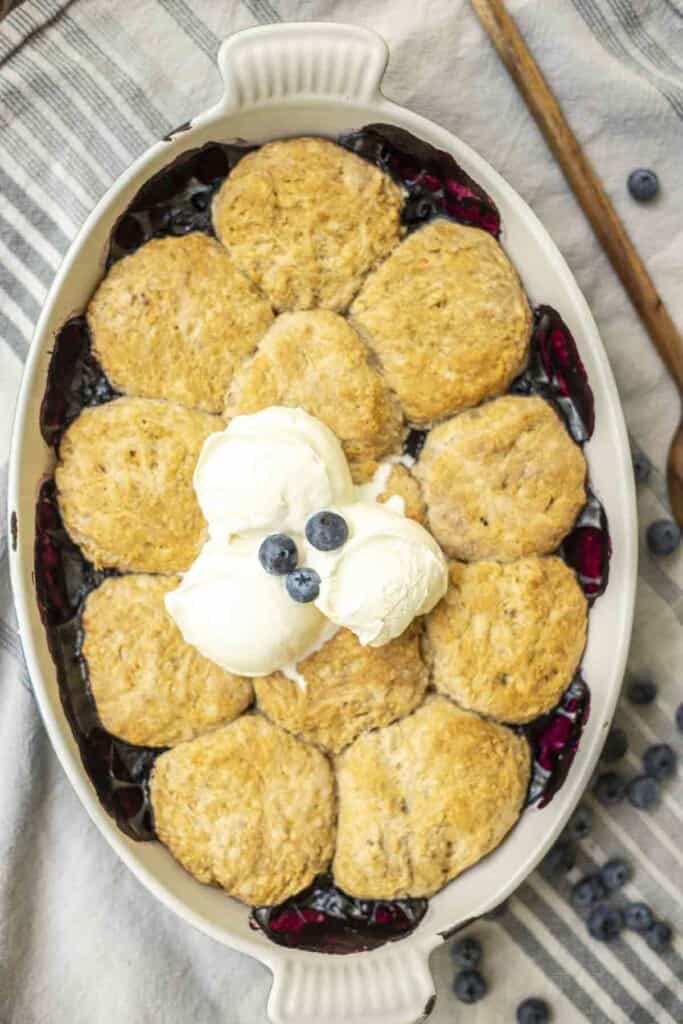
(316, 561)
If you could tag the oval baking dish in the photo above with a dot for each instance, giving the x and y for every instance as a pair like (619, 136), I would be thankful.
(324, 79)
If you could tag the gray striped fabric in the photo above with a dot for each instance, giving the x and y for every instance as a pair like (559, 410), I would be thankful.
(87, 85)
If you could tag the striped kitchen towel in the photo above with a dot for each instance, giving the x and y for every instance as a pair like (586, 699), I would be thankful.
(86, 86)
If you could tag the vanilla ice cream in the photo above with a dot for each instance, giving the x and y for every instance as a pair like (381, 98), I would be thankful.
(269, 472)
(390, 570)
(237, 615)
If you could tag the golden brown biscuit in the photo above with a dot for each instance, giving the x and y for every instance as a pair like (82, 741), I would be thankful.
(502, 481)
(315, 360)
(349, 688)
(124, 483)
(247, 807)
(506, 639)
(150, 687)
(425, 798)
(448, 318)
(175, 320)
(305, 220)
(400, 482)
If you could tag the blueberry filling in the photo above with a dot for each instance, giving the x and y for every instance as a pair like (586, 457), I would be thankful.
(324, 919)
(556, 373)
(75, 380)
(436, 185)
(119, 771)
(174, 202)
(177, 200)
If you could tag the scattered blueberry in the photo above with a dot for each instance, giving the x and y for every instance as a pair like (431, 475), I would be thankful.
(641, 467)
(533, 1011)
(641, 691)
(277, 554)
(303, 585)
(560, 858)
(658, 936)
(469, 986)
(467, 952)
(663, 537)
(604, 923)
(643, 792)
(659, 761)
(679, 717)
(326, 531)
(643, 184)
(638, 917)
(609, 788)
(615, 746)
(581, 822)
(615, 874)
(587, 892)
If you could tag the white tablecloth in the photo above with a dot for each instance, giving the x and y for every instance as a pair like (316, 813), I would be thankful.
(85, 86)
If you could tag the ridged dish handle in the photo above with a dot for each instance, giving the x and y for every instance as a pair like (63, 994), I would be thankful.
(274, 62)
(393, 986)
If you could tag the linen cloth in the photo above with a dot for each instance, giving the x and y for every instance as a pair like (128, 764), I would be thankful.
(87, 85)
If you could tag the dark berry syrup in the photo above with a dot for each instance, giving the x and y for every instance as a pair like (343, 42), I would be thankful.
(324, 919)
(175, 202)
(119, 771)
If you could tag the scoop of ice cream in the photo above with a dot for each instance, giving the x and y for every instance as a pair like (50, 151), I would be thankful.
(390, 570)
(270, 471)
(238, 615)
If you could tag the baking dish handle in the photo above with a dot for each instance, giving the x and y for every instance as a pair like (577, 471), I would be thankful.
(275, 62)
(390, 986)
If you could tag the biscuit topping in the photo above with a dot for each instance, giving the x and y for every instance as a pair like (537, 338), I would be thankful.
(256, 600)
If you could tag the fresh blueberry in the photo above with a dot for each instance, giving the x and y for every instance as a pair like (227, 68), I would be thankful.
(469, 986)
(643, 792)
(615, 746)
(560, 858)
(663, 537)
(604, 923)
(641, 467)
(277, 554)
(303, 585)
(638, 917)
(679, 717)
(581, 822)
(659, 761)
(658, 936)
(641, 691)
(609, 788)
(615, 874)
(643, 184)
(467, 952)
(326, 531)
(587, 892)
(533, 1011)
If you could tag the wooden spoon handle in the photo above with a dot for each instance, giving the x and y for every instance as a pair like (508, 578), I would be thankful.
(584, 182)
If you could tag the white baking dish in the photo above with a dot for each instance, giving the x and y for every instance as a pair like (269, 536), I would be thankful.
(325, 79)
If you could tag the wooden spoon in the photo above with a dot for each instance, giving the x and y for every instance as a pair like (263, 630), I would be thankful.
(598, 208)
